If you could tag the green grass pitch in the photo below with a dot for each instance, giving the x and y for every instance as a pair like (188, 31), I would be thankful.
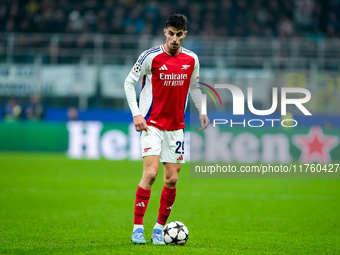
(50, 204)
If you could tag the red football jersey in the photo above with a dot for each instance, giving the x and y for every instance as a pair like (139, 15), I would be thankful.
(165, 85)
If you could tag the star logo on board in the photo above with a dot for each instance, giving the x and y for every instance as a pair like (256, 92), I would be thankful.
(315, 146)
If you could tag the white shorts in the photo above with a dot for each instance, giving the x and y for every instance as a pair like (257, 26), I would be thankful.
(168, 145)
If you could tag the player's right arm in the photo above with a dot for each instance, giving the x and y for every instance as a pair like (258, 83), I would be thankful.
(137, 71)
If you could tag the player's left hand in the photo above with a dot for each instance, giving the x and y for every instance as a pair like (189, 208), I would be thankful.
(204, 122)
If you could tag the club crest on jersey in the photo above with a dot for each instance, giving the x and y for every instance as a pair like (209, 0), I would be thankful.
(185, 67)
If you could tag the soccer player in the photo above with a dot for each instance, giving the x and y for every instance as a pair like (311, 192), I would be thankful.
(168, 71)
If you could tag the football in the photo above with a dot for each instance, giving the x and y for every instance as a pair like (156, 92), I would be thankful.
(175, 232)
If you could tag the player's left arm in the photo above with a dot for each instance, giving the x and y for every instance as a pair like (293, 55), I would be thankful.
(196, 93)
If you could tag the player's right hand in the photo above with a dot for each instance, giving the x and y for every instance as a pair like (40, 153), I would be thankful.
(204, 122)
(140, 123)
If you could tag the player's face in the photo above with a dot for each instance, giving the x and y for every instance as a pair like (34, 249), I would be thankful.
(174, 37)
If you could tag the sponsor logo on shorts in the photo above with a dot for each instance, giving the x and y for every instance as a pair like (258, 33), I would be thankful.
(180, 157)
(146, 149)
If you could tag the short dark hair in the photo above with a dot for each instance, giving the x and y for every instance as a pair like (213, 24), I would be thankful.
(178, 21)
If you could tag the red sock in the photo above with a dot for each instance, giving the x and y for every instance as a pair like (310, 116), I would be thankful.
(142, 200)
(167, 200)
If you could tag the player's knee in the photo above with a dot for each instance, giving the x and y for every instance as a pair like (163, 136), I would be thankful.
(151, 176)
(171, 182)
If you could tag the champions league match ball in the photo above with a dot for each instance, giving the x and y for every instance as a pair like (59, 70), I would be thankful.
(175, 232)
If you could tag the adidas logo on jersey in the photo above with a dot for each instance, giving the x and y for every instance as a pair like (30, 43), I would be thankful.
(180, 157)
(141, 204)
(163, 67)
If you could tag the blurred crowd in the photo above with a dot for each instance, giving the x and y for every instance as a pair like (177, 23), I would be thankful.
(15, 110)
(260, 18)
(34, 109)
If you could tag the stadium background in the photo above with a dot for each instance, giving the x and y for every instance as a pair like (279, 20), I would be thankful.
(62, 68)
